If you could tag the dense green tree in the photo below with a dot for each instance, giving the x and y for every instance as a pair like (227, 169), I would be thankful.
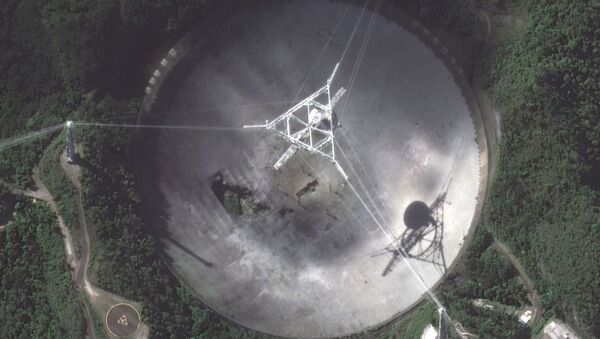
(57, 183)
(37, 299)
(7, 203)
(545, 202)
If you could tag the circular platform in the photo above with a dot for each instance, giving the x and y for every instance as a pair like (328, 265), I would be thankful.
(122, 320)
(293, 252)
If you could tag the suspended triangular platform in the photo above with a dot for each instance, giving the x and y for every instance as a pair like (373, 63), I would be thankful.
(309, 125)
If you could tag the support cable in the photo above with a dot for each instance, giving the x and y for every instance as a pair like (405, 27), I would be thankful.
(18, 140)
(124, 117)
(181, 127)
(398, 248)
(362, 12)
(385, 215)
(361, 54)
(420, 279)
(385, 232)
(337, 26)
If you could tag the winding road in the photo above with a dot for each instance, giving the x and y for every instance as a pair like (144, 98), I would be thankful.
(42, 193)
(101, 300)
(527, 282)
(98, 297)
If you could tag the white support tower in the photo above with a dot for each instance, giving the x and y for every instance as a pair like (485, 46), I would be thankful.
(70, 147)
(442, 323)
(309, 125)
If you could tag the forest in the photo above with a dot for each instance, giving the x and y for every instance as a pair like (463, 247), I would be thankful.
(90, 60)
(544, 202)
(38, 300)
(126, 260)
(55, 57)
(544, 78)
(486, 275)
(7, 203)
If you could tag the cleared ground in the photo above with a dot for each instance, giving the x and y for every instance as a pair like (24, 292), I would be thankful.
(122, 320)
(312, 263)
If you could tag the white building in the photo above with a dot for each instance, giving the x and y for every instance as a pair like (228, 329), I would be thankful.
(429, 332)
(558, 330)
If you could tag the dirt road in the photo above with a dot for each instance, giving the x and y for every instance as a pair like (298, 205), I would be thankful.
(42, 193)
(527, 282)
(81, 276)
(100, 299)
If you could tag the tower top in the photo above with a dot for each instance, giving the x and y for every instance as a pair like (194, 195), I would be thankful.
(70, 146)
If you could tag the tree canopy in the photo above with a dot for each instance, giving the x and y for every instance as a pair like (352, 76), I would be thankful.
(37, 298)
(544, 202)
(89, 60)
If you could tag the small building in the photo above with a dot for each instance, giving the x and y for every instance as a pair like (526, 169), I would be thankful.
(526, 316)
(429, 332)
(558, 330)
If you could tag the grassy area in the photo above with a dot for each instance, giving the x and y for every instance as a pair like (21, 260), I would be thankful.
(412, 325)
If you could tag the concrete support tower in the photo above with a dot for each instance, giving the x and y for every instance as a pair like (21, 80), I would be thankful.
(70, 147)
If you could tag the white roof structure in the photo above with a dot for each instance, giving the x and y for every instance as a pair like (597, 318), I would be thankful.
(526, 316)
(429, 332)
(558, 330)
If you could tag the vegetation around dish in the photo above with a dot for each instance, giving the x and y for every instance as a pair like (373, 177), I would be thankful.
(7, 203)
(126, 260)
(544, 202)
(541, 65)
(89, 60)
(57, 183)
(36, 291)
(236, 199)
(486, 275)
(411, 326)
